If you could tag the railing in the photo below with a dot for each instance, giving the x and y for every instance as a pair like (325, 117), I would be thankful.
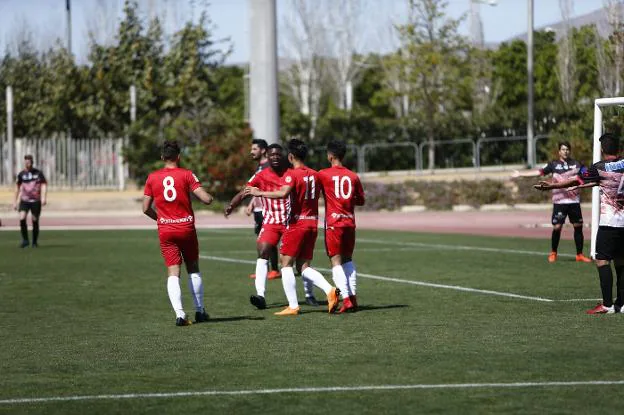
(69, 162)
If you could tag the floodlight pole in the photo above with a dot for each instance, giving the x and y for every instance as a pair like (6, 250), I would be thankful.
(263, 87)
(10, 141)
(69, 26)
(530, 140)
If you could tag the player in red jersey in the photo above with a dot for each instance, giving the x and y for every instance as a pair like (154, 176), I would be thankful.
(342, 191)
(274, 213)
(300, 184)
(169, 189)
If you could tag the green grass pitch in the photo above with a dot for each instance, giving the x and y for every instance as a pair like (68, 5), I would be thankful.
(87, 314)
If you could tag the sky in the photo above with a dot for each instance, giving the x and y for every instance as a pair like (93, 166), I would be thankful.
(45, 20)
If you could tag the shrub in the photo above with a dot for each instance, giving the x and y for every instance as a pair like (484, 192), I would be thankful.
(385, 196)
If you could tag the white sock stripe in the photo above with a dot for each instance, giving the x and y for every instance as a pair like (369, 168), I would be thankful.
(330, 389)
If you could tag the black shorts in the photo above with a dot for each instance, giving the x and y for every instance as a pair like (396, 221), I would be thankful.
(570, 210)
(33, 207)
(258, 218)
(609, 243)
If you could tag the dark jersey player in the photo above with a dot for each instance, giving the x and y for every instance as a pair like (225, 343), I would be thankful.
(566, 203)
(30, 196)
(608, 173)
(301, 184)
(342, 191)
(170, 191)
(259, 154)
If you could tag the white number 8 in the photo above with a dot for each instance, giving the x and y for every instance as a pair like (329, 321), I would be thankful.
(169, 192)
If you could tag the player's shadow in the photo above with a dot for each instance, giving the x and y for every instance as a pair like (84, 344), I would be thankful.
(233, 318)
(323, 309)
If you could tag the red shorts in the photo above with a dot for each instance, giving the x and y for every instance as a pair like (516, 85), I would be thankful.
(339, 241)
(271, 234)
(178, 246)
(299, 242)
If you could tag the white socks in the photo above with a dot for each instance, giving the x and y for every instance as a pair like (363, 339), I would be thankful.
(317, 279)
(290, 286)
(340, 279)
(175, 295)
(261, 276)
(349, 270)
(197, 290)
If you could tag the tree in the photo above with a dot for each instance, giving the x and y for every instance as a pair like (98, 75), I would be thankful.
(566, 57)
(432, 63)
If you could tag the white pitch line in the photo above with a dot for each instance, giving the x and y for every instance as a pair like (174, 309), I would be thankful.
(458, 247)
(412, 282)
(580, 299)
(331, 389)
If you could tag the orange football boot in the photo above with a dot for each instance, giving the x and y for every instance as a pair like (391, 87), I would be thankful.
(552, 257)
(288, 312)
(333, 299)
(582, 258)
(273, 275)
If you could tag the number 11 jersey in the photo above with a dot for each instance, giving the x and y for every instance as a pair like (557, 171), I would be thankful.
(341, 189)
(171, 189)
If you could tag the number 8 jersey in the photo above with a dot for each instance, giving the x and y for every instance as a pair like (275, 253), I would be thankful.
(171, 189)
(341, 189)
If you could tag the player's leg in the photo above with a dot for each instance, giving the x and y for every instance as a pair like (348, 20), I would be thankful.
(190, 253)
(332, 247)
(35, 213)
(289, 283)
(558, 219)
(604, 254)
(23, 209)
(348, 246)
(258, 219)
(268, 238)
(619, 268)
(173, 259)
(576, 218)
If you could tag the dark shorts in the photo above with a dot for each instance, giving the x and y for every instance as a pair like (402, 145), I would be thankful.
(610, 243)
(33, 207)
(258, 219)
(570, 210)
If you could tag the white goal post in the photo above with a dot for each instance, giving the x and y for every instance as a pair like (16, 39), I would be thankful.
(598, 105)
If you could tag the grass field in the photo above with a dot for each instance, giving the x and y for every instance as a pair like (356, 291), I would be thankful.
(86, 317)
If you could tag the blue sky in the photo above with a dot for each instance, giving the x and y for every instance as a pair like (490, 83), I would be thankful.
(45, 19)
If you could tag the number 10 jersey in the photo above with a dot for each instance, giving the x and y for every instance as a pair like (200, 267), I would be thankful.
(341, 189)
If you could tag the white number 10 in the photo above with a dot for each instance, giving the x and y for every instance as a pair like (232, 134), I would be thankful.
(339, 187)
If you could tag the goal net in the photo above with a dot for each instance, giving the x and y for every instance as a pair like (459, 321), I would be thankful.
(600, 106)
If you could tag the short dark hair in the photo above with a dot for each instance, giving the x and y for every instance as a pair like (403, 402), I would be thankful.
(275, 145)
(564, 143)
(170, 150)
(298, 149)
(610, 144)
(260, 143)
(338, 148)
(28, 157)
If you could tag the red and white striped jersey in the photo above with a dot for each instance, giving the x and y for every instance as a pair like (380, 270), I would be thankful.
(274, 211)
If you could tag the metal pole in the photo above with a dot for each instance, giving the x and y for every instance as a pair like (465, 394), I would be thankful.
(10, 141)
(69, 26)
(530, 143)
(263, 108)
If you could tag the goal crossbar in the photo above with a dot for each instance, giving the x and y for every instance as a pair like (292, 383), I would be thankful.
(598, 105)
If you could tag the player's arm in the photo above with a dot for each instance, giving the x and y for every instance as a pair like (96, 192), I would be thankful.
(544, 185)
(147, 207)
(531, 173)
(582, 186)
(44, 193)
(18, 195)
(203, 196)
(274, 194)
(234, 203)
(360, 199)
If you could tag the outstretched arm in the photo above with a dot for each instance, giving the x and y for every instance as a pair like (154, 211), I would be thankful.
(531, 173)
(234, 203)
(544, 185)
(275, 194)
(147, 207)
(203, 196)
